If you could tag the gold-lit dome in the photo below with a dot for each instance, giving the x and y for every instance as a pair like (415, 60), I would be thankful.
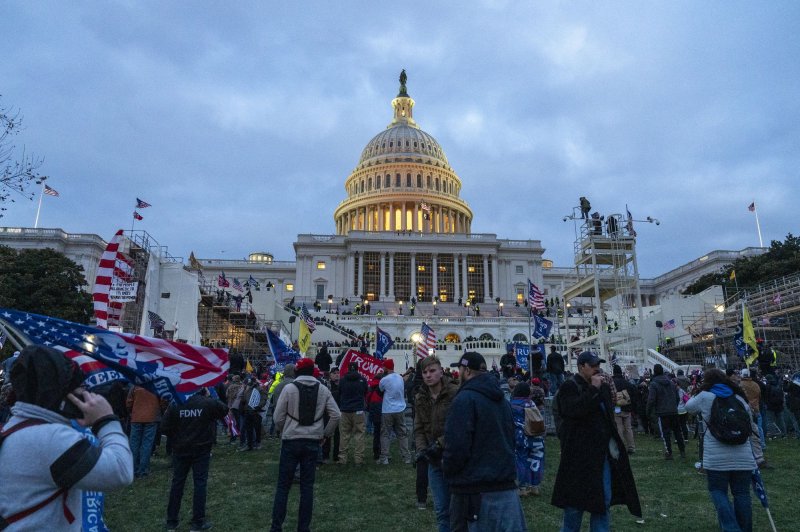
(403, 181)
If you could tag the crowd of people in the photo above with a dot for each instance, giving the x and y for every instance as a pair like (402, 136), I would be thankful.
(476, 439)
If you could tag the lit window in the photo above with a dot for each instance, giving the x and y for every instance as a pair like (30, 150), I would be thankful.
(420, 268)
(471, 269)
(320, 264)
(289, 287)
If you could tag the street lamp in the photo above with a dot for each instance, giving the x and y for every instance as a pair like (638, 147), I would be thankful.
(501, 308)
(330, 302)
(434, 307)
(401, 306)
(467, 305)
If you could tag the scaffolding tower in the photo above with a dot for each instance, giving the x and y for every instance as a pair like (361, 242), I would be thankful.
(607, 283)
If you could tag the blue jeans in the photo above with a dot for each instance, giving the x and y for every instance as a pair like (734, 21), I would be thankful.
(555, 380)
(181, 464)
(294, 452)
(760, 423)
(142, 437)
(739, 516)
(500, 511)
(597, 522)
(441, 497)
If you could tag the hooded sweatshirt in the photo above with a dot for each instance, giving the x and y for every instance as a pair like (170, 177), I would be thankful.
(663, 396)
(718, 456)
(479, 439)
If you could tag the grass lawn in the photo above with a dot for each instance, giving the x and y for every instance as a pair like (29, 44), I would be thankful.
(381, 498)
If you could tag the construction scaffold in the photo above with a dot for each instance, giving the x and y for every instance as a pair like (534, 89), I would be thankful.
(774, 308)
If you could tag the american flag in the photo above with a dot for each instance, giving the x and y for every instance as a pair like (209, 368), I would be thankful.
(142, 204)
(222, 281)
(230, 422)
(535, 297)
(109, 267)
(237, 285)
(752, 207)
(156, 322)
(137, 216)
(427, 342)
(306, 317)
(425, 207)
(171, 370)
(669, 325)
(51, 191)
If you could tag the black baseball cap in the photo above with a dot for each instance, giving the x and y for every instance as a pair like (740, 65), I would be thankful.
(472, 360)
(587, 357)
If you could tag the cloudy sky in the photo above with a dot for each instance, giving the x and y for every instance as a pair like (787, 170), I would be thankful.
(239, 121)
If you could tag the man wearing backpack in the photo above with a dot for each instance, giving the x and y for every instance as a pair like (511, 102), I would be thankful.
(727, 455)
(662, 400)
(299, 413)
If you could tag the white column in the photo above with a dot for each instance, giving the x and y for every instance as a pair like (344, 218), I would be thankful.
(391, 275)
(360, 273)
(298, 282)
(413, 280)
(415, 222)
(383, 275)
(348, 276)
(434, 261)
(456, 282)
(391, 217)
(464, 276)
(495, 281)
(486, 298)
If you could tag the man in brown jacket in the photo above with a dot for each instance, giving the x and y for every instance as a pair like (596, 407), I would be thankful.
(145, 409)
(432, 404)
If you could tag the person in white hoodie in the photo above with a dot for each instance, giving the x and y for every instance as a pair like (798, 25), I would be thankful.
(45, 464)
(727, 466)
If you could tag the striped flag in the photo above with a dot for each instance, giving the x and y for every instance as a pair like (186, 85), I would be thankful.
(142, 204)
(171, 370)
(237, 285)
(230, 422)
(137, 216)
(222, 281)
(103, 308)
(751, 207)
(535, 297)
(427, 342)
(156, 322)
(669, 325)
(305, 315)
(51, 191)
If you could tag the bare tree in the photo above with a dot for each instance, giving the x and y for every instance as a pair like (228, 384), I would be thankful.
(16, 173)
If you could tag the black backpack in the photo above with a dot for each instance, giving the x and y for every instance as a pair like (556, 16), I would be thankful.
(307, 407)
(730, 423)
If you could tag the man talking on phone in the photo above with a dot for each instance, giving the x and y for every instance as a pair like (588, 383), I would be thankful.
(45, 464)
(592, 452)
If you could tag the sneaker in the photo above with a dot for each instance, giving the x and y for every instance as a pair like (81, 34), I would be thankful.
(257, 446)
(205, 526)
(534, 490)
(422, 506)
(407, 461)
(382, 461)
(524, 492)
(667, 456)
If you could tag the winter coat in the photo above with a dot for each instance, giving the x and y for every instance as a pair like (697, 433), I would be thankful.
(718, 456)
(479, 439)
(234, 393)
(33, 466)
(190, 426)
(587, 427)
(430, 414)
(555, 363)
(352, 392)
(145, 406)
(323, 360)
(753, 392)
(662, 399)
(621, 383)
(287, 412)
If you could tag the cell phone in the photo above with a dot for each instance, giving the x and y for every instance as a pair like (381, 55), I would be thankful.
(69, 409)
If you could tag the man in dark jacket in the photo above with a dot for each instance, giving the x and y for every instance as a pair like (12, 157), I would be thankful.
(478, 459)
(323, 360)
(190, 427)
(594, 472)
(352, 392)
(555, 369)
(508, 364)
(662, 400)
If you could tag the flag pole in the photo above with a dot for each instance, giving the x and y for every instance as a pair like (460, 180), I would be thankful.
(758, 226)
(39, 208)
(530, 344)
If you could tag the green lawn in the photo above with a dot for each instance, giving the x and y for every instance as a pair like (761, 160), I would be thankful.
(381, 498)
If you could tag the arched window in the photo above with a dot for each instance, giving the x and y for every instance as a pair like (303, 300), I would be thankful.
(377, 182)
(362, 185)
(419, 180)
(519, 337)
(428, 179)
(437, 184)
(408, 180)
(369, 183)
(397, 180)
(387, 181)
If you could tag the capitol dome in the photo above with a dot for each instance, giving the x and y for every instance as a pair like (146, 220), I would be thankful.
(403, 181)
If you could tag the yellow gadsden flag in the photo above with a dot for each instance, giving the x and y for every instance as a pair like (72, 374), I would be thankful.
(303, 338)
(733, 275)
(248, 367)
(749, 335)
